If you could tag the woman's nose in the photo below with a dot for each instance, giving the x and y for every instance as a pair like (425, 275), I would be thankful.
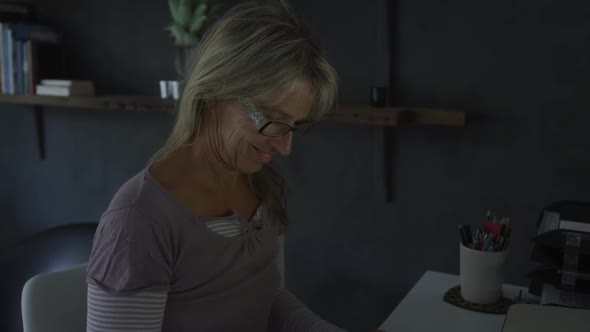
(283, 143)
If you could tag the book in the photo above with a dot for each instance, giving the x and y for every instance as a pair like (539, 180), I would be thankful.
(30, 74)
(18, 65)
(68, 83)
(64, 91)
(10, 56)
(2, 69)
(5, 60)
(26, 89)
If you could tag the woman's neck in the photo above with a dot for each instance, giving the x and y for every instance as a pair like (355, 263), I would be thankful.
(194, 166)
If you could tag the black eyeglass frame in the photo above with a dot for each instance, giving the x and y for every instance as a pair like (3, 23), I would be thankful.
(262, 123)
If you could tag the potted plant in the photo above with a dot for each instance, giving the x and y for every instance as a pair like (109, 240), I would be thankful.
(189, 21)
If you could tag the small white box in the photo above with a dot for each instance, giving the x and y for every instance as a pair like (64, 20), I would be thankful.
(173, 89)
(164, 89)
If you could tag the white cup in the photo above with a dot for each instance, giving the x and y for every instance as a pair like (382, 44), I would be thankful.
(481, 274)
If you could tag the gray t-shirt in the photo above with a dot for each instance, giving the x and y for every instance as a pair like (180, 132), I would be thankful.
(147, 241)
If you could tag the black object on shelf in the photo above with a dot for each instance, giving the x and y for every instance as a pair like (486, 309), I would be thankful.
(378, 96)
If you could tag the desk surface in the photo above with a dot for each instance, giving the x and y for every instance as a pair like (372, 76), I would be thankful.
(424, 309)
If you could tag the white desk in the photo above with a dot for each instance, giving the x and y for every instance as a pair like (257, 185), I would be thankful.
(424, 309)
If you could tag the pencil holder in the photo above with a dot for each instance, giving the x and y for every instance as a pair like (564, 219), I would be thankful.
(481, 274)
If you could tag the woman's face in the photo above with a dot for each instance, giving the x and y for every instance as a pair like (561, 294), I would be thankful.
(238, 142)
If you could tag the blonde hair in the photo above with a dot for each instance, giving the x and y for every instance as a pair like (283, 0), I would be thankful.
(257, 50)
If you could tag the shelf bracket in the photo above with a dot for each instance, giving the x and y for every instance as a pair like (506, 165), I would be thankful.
(40, 129)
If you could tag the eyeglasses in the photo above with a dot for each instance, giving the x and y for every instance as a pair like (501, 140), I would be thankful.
(273, 128)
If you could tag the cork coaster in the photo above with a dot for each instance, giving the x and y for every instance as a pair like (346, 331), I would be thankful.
(453, 296)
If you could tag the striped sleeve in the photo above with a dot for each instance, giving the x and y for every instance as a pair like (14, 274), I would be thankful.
(288, 314)
(139, 312)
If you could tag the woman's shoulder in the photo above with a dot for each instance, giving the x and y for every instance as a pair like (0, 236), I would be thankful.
(128, 207)
(129, 193)
(142, 201)
(138, 193)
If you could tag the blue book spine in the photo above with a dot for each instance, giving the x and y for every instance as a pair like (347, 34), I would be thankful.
(5, 61)
(21, 83)
(21, 52)
(21, 67)
(26, 69)
(3, 84)
(17, 68)
(10, 62)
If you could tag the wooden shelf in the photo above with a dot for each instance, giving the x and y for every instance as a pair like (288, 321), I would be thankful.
(395, 116)
(361, 114)
(129, 103)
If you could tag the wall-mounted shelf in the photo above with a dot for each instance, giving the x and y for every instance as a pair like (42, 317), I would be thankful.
(396, 116)
(130, 103)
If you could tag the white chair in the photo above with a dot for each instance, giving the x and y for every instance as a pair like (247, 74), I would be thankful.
(55, 301)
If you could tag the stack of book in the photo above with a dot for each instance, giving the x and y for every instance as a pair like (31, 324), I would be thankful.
(562, 248)
(65, 88)
(28, 51)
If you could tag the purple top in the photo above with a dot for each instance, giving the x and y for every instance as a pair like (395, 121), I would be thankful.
(147, 241)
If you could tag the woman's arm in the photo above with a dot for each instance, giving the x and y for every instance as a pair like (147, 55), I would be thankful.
(128, 273)
(112, 313)
(290, 314)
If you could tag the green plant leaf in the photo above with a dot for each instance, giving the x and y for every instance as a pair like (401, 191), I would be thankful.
(184, 12)
(173, 5)
(177, 32)
(197, 24)
(200, 10)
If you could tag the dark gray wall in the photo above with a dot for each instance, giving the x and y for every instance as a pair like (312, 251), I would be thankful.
(519, 68)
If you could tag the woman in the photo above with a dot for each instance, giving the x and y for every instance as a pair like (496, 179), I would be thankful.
(194, 242)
